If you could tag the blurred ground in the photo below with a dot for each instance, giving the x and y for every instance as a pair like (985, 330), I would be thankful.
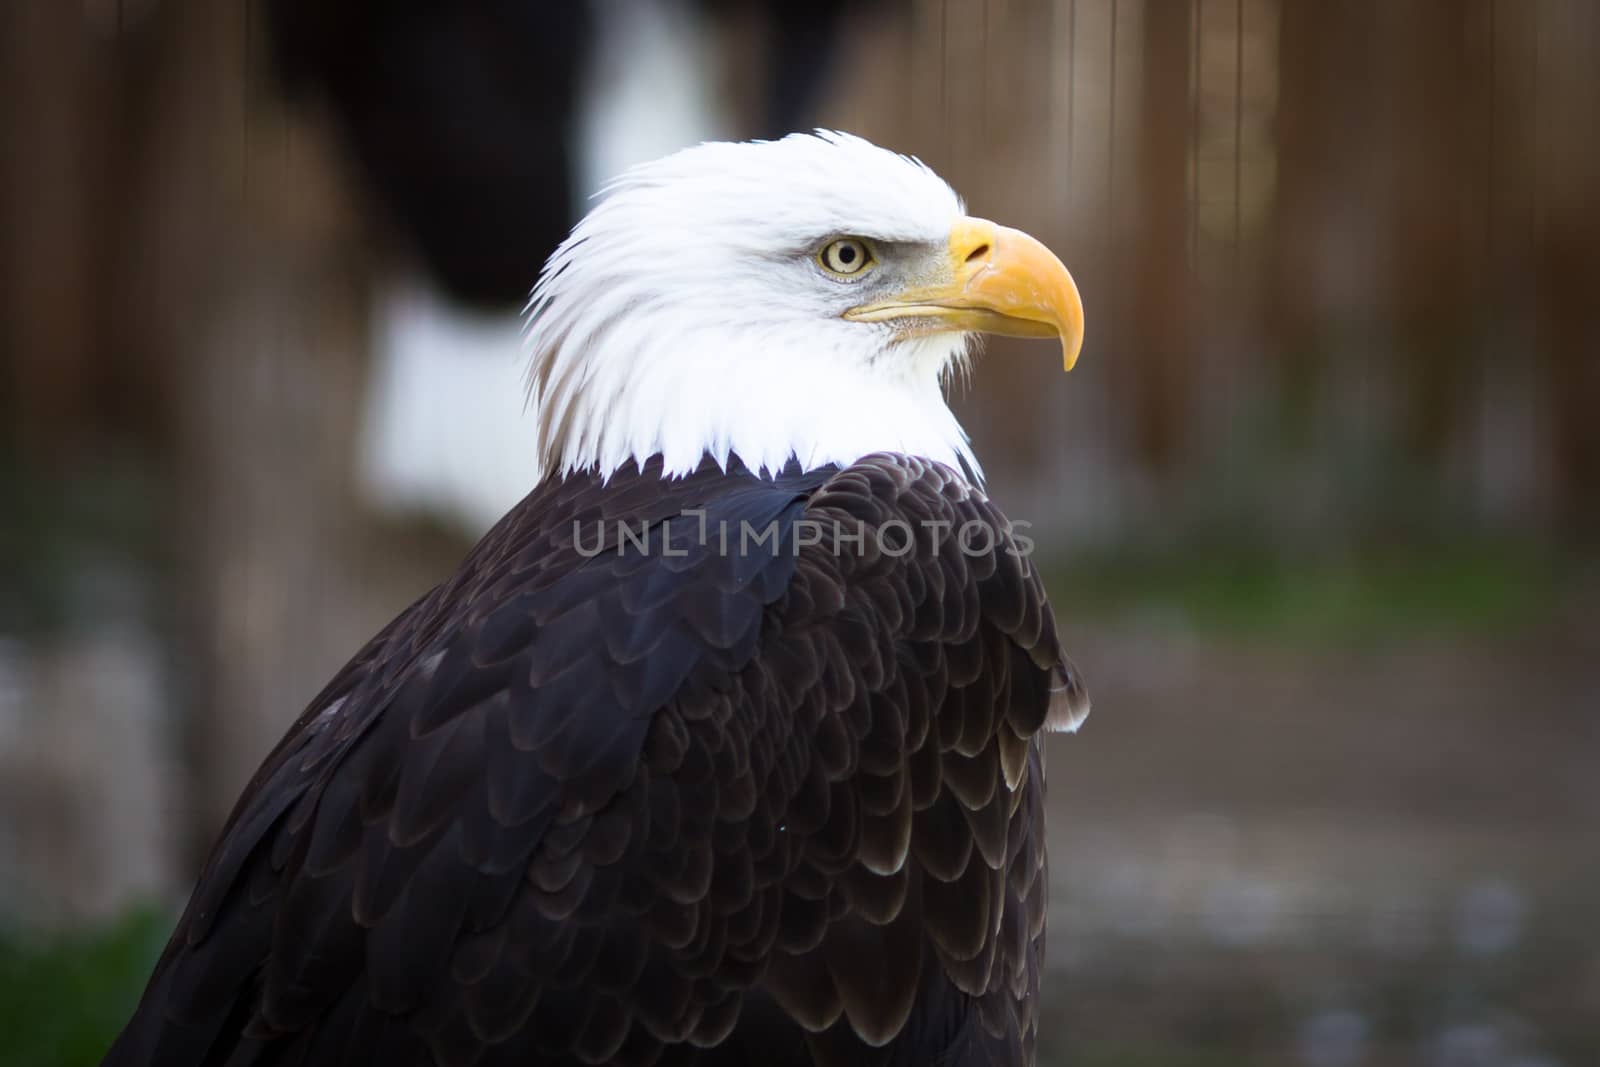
(1240, 878)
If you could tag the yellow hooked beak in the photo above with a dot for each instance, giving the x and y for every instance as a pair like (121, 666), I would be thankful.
(994, 280)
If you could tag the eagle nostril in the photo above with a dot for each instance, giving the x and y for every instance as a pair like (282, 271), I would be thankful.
(978, 253)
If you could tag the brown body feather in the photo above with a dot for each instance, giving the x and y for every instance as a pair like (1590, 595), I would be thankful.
(779, 804)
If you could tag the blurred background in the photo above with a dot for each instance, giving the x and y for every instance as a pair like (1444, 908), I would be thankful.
(1318, 508)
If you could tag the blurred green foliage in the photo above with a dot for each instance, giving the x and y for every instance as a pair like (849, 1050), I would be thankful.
(64, 997)
(1453, 589)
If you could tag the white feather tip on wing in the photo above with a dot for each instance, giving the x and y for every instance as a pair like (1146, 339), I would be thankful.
(1069, 701)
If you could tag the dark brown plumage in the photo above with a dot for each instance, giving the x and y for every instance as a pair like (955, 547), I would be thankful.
(664, 806)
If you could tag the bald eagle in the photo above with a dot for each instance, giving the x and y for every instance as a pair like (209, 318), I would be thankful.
(724, 745)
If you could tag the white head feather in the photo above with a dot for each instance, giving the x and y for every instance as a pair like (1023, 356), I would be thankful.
(686, 314)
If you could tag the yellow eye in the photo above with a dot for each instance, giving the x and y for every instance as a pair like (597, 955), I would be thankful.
(846, 257)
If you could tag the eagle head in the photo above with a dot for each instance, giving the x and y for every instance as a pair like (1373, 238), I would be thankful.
(803, 299)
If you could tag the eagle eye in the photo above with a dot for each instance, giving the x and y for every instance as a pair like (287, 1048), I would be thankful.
(845, 257)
